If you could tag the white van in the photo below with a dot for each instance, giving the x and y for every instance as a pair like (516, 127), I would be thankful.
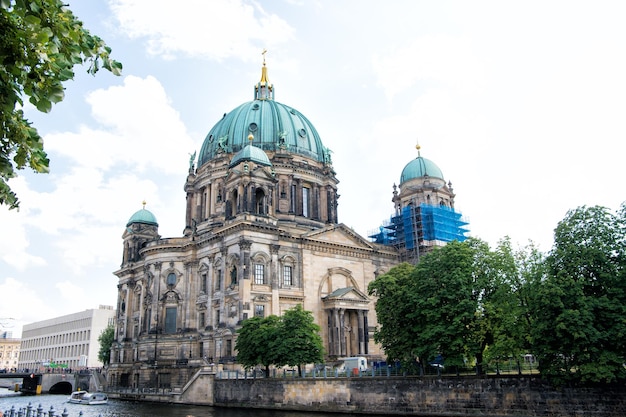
(355, 362)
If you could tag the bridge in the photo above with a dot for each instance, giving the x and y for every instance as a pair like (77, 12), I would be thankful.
(50, 383)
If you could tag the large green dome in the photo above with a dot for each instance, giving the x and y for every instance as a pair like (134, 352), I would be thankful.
(420, 167)
(274, 126)
(143, 216)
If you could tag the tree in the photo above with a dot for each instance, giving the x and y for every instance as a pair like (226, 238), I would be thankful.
(395, 330)
(256, 342)
(427, 312)
(505, 307)
(458, 303)
(106, 339)
(292, 339)
(299, 341)
(579, 323)
(41, 43)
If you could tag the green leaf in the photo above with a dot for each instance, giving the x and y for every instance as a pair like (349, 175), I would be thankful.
(42, 42)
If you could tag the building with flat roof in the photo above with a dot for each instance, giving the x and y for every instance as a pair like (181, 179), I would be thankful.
(69, 341)
(9, 353)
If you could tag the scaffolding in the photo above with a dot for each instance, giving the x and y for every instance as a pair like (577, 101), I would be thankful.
(418, 228)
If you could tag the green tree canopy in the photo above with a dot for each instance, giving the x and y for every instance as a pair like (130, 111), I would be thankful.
(460, 301)
(579, 323)
(299, 340)
(393, 312)
(256, 342)
(41, 43)
(106, 340)
(292, 339)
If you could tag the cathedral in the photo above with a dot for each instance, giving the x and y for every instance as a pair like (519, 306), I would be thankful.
(261, 236)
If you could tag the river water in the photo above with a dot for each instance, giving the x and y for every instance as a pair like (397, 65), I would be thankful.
(118, 408)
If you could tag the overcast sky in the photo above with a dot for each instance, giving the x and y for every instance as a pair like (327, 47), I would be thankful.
(520, 103)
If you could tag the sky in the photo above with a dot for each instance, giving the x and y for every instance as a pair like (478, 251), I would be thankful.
(521, 104)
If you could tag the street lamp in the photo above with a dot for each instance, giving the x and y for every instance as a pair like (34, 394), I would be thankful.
(190, 340)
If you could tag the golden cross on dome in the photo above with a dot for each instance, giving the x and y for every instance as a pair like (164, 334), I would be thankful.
(263, 53)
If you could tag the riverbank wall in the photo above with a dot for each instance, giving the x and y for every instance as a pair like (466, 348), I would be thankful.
(460, 396)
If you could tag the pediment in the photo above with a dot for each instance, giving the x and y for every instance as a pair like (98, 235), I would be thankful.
(346, 294)
(339, 234)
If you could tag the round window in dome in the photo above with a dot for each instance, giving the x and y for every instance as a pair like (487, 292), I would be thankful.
(302, 133)
(252, 127)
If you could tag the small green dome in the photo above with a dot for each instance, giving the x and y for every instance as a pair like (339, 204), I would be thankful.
(143, 216)
(420, 167)
(251, 153)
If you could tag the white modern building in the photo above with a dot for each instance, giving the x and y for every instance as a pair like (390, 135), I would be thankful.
(69, 341)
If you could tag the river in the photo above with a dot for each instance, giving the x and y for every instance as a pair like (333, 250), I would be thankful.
(118, 408)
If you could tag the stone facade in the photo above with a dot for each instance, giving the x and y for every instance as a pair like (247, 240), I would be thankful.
(261, 236)
(426, 396)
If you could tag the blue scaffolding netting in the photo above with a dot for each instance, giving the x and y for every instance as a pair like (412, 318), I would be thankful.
(422, 223)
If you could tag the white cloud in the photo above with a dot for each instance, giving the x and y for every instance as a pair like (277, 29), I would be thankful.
(216, 29)
(14, 250)
(139, 129)
(443, 59)
(22, 304)
(70, 291)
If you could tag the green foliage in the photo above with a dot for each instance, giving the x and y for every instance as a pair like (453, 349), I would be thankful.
(393, 312)
(292, 339)
(41, 43)
(579, 309)
(299, 340)
(461, 301)
(106, 340)
(256, 342)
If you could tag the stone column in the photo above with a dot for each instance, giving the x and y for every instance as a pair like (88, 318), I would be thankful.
(342, 331)
(337, 332)
(361, 332)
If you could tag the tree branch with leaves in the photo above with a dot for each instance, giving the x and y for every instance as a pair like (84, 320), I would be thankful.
(41, 43)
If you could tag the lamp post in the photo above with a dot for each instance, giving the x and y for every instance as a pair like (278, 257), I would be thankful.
(190, 340)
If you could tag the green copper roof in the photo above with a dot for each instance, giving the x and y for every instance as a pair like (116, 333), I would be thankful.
(420, 167)
(142, 216)
(274, 126)
(251, 153)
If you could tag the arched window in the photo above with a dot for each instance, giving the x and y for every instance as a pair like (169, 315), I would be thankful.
(259, 273)
(234, 202)
(233, 275)
(259, 200)
(260, 261)
(171, 279)
(288, 272)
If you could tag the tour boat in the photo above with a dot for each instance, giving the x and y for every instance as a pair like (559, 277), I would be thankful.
(84, 397)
